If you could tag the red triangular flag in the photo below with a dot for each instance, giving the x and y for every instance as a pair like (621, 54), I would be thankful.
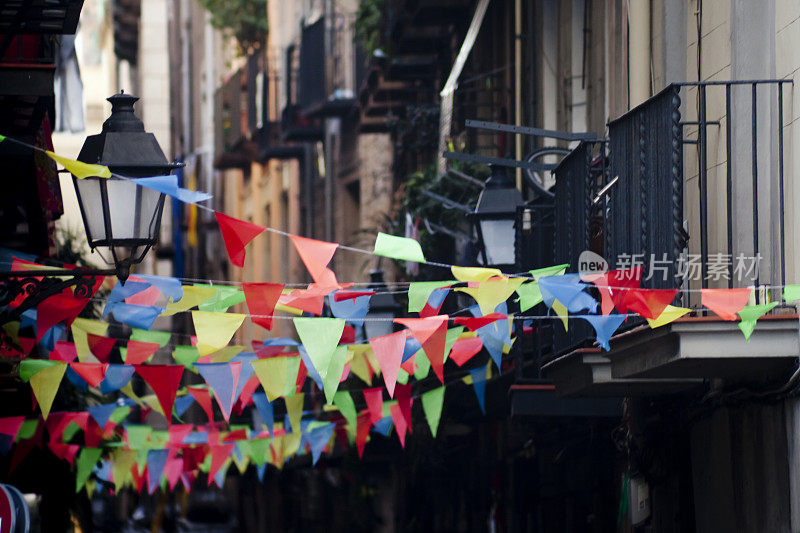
(464, 349)
(431, 332)
(218, 456)
(725, 302)
(316, 255)
(93, 373)
(64, 351)
(138, 352)
(203, 398)
(10, 426)
(261, 300)
(164, 380)
(62, 307)
(404, 401)
(374, 399)
(649, 303)
(64, 451)
(473, 323)
(138, 478)
(388, 351)
(173, 470)
(362, 432)
(177, 433)
(236, 234)
(399, 423)
(100, 346)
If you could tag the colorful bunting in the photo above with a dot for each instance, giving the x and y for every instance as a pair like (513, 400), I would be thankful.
(725, 303)
(215, 330)
(749, 314)
(261, 300)
(432, 402)
(400, 248)
(237, 234)
(164, 380)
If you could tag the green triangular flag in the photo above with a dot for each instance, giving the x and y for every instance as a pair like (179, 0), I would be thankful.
(27, 430)
(87, 458)
(344, 402)
(432, 405)
(400, 248)
(45, 385)
(791, 293)
(320, 337)
(29, 367)
(402, 377)
(224, 298)
(332, 377)
(186, 356)
(452, 336)
(258, 450)
(423, 365)
(750, 314)
(420, 291)
(143, 335)
(137, 436)
(555, 270)
(529, 295)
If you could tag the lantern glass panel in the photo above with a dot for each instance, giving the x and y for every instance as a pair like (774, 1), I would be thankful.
(91, 204)
(133, 210)
(498, 238)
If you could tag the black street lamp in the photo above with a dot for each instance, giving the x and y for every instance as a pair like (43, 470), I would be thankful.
(118, 214)
(494, 218)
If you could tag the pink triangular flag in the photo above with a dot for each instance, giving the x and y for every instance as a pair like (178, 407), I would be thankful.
(64, 351)
(399, 423)
(164, 380)
(173, 470)
(10, 426)
(236, 234)
(431, 332)
(388, 351)
(316, 255)
(218, 456)
(203, 398)
(374, 399)
(404, 401)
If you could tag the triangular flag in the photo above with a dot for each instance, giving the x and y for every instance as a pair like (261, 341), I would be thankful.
(79, 169)
(117, 376)
(219, 454)
(388, 350)
(294, 410)
(344, 402)
(169, 186)
(750, 314)
(93, 373)
(604, 326)
(123, 460)
(431, 332)
(374, 399)
(61, 307)
(400, 423)
(87, 458)
(478, 376)
(203, 399)
(401, 248)
(164, 380)
(137, 352)
(334, 375)
(278, 375)
(649, 303)
(725, 302)
(362, 433)
(474, 273)
(102, 413)
(562, 313)
(261, 300)
(193, 296)
(316, 255)
(529, 295)
(318, 438)
(464, 349)
(215, 330)
(223, 378)
(420, 291)
(45, 384)
(404, 400)
(81, 329)
(491, 293)
(100, 346)
(555, 270)
(236, 234)
(156, 461)
(791, 293)
(569, 290)
(668, 315)
(432, 402)
(161, 338)
(265, 409)
(320, 337)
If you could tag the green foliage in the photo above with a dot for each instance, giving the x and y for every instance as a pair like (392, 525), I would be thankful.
(369, 26)
(246, 20)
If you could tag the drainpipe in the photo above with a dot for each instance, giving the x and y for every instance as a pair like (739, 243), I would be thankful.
(639, 51)
(518, 85)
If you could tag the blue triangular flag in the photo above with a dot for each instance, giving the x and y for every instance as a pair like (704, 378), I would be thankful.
(494, 335)
(156, 461)
(117, 376)
(479, 384)
(101, 413)
(312, 371)
(264, 408)
(76, 379)
(604, 326)
(317, 439)
(138, 316)
(352, 310)
(383, 426)
(261, 469)
(120, 292)
(182, 403)
(412, 346)
(569, 290)
(196, 437)
(437, 297)
(219, 376)
(169, 186)
(51, 336)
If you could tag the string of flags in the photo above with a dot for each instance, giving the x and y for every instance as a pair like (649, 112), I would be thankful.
(51, 342)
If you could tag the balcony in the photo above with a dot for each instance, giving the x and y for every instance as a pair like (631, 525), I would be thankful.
(677, 179)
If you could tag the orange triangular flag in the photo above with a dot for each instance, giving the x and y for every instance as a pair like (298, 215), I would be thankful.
(725, 302)
(316, 255)
(236, 234)
(93, 373)
(431, 332)
(138, 352)
(388, 351)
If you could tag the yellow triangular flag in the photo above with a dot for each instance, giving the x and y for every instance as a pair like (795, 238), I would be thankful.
(491, 293)
(278, 375)
(360, 367)
(669, 314)
(214, 330)
(192, 297)
(474, 273)
(79, 169)
(294, 408)
(226, 354)
(123, 461)
(45, 385)
(562, 312)
(81, 327)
